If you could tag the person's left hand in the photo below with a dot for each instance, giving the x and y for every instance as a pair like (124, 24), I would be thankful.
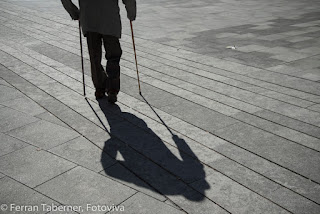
(131, 9)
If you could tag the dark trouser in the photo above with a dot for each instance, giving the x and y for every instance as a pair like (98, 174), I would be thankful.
(108, 80)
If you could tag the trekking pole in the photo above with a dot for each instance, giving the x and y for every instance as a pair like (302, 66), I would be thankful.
(135, 55)
(84, 87)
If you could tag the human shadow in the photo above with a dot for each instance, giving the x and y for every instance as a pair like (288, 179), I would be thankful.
(138, 149)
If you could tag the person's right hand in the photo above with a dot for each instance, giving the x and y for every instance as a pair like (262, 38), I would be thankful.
(73, 10)
(131, 16)
(75, 15)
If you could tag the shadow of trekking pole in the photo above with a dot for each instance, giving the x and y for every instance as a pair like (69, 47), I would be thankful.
(183, 147)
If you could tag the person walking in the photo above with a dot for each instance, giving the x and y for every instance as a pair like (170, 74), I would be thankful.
(101, 24)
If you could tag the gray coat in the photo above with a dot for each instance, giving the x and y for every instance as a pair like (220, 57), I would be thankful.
(100, 16)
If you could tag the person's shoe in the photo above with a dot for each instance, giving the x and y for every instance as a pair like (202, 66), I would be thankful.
(112, 97)
(99, 94)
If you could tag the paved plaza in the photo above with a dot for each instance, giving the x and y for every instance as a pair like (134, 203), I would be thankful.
(228, 120)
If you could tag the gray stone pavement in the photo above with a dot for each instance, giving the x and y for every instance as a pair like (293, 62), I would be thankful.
(216, 130)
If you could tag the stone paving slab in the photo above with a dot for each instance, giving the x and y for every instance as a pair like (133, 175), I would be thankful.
(13, 192)
(9, 144)
(43, 134)
(272, 146)
(51, 118)
(117, 171)
(290, 122)
(253, 202)
(293, 203)
(146, 204)
(32, 167)
(223, 167)
(87, 188)
(84, 153)
(192, 202)
(12, 119)
(29, 106)
(7, 93)
(300, 138)
(3, 82)
(315, 108)
(249, 134)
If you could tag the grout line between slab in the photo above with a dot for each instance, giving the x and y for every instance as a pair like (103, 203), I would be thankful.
(268, 160)
(251, 104)
(237, 119)
(6, 132)
(175, 175)
(213, 66)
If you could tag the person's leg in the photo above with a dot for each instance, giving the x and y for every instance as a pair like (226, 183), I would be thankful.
(113, 55)
(98, 74)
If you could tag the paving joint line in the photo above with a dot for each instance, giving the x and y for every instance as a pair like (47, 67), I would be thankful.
(33, 189)
(6, 132)
(247, 122)
(61, 143)
(47, 150)
(205, 107)
(166, 169)
(76, 165)
(238, 119)
(231, 86)
(105, 152)
(226, 83)
(99, 172)
(207, 166)
(221, 69)
(28, 144)
(257, 155)
(235, 161)
(237, 87)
